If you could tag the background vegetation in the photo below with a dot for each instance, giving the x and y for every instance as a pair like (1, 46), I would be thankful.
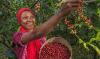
(83, 35)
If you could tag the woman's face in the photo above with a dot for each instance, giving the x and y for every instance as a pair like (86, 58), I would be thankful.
(28, 20)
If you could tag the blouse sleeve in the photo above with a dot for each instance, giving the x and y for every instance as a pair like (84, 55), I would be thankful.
(17, 39)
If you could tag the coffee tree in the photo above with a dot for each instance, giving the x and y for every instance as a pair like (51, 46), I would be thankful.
(81, 28)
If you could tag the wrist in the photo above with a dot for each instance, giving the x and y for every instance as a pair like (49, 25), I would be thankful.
(59, 13)
(62, 13)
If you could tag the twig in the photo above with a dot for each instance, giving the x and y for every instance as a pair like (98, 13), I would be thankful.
(89, 1)
(35, 3)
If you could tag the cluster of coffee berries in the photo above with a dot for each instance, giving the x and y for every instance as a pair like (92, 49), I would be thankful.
(55, 50)
(37, 6)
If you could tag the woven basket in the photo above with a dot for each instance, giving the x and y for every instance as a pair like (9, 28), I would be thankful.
(60, 40)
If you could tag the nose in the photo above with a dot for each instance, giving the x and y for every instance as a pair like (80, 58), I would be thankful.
(28, 19)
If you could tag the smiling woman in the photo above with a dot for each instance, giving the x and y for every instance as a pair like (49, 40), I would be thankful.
(28, 20)
(29, 39)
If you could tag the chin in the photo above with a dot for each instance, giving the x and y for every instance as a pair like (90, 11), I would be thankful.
(30, 28)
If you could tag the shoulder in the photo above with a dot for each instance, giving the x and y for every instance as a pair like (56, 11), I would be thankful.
(17, 33)
(17, 36)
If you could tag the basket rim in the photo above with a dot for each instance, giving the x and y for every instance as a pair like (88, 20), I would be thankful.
(59, 40)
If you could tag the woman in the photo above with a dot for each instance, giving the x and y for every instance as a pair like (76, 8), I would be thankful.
(28, 40)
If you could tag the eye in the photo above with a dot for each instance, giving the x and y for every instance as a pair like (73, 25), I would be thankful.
(31, 17)
(24, 18)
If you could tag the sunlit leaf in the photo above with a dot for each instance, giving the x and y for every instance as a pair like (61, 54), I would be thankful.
(96, 48)
(85, 46)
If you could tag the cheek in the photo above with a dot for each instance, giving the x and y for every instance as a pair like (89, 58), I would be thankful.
(33, 20)
(23, 22)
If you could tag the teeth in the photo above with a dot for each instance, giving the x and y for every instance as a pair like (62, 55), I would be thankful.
(29, 23)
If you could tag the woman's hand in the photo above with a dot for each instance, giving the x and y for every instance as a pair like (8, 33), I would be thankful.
(69, 6)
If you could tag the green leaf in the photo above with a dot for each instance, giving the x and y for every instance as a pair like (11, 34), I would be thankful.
(18, 29)
(98, 11)
(85, 46)
(98, 1)
(81, 41)
(91, 40)
(98, 36)
(96, 48)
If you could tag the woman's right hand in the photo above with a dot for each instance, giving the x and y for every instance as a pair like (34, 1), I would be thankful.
(70, 5)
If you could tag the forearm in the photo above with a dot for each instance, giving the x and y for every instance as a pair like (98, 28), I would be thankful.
(47, 26)
(29, 36)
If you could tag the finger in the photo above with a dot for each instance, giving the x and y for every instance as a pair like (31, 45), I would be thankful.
(75, 5)
(74, 1)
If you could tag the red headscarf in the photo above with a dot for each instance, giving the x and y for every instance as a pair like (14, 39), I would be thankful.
(33, 46)
(20, 11)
